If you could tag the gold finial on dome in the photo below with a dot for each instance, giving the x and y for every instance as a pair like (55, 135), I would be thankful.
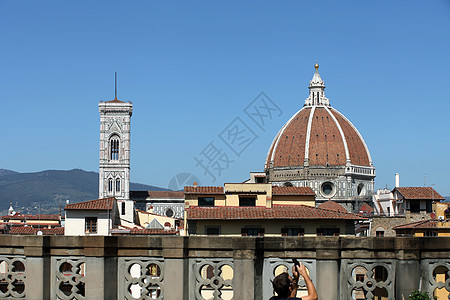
(316, 65)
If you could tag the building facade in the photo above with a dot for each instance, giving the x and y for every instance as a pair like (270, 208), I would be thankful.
(260, 209)
(320, 148)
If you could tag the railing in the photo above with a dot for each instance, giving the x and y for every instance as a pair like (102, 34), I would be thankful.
(196, 267)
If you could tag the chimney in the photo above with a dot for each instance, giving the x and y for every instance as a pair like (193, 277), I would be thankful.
(397, 180)
(194, 184)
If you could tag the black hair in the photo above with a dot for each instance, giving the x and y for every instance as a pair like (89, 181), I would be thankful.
(281, 284)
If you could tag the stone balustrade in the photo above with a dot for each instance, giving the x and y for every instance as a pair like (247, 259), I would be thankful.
(200, 267)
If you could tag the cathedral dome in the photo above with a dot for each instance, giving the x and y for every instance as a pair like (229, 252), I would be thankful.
(320, 148)
(318, 136)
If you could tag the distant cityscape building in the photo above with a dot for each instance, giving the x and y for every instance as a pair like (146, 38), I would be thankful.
(164, 203)
(404, 209)
(260, 209)
(320, 148)
(94, 217)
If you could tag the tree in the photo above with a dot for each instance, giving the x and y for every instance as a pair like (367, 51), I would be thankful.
(418, 295)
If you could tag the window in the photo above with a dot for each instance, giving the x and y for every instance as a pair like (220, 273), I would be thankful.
(292, 231)
(327, 189)
(110, 185)
(430, 233)
(379, 233)
(247, 201)
(114, 146)
(327, 231)
(205, 201)
(169, 213)
(415, 206)
(360, 189)
(429, 206)
(90, 225)
(123, 209)
(259, 179)
(117, 185)
(252, 231)
(215, 230)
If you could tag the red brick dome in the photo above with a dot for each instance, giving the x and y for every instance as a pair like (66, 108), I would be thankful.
(319, 136)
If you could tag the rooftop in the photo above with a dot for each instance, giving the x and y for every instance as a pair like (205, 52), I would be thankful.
(19, 216)
(260, 213)
(25, 230)
(419, 192)
(331, 205)
(203, 190)
(292, 190)
(425, 224)
(158, 194)
(98, 204)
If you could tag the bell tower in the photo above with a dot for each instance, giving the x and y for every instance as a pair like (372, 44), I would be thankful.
(114, 167)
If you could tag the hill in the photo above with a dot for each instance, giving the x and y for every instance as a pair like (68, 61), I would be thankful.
(50, 188)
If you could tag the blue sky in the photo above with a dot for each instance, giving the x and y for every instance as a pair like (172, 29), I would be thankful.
(191, 67)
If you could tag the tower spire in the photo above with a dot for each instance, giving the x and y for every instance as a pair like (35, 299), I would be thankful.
(317, 90)
(115, 85)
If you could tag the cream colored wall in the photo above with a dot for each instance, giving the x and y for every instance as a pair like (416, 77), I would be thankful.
(272, 227)
(441, 293)
(294, 200)
(249, 188)
(143, 219)
(75, 222)
(233, 200)
(31, 222)
(440, 208)
(192, 199)
(422, 233)
(261, 190)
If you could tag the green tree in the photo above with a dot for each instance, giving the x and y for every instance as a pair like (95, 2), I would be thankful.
(418, 295)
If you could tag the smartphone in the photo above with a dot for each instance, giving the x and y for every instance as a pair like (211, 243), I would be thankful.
(295, 261)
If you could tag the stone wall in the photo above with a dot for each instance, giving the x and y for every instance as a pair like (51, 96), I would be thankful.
(387, 223)
(163, 267)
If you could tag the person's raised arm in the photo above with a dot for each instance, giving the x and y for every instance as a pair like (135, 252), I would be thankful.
(294, 283)
(312, 293)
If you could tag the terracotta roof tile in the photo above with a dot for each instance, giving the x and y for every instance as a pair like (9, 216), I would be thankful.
(98, 204)
(137, 231)
(159, 194)
(33, 231)
(425, 224)
(331, 205)
(115, 101)
(292, 190)
(260, 213)
(419, 192)
(357, 151)
(19, 216)
(366, 207)
(326, 145)
(203, 190)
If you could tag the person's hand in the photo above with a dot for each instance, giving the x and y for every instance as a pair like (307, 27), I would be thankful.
(302, 270)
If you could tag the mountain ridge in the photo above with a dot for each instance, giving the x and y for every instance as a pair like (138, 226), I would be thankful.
(45, 191)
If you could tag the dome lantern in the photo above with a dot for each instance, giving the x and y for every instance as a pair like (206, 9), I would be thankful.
(317, 90)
